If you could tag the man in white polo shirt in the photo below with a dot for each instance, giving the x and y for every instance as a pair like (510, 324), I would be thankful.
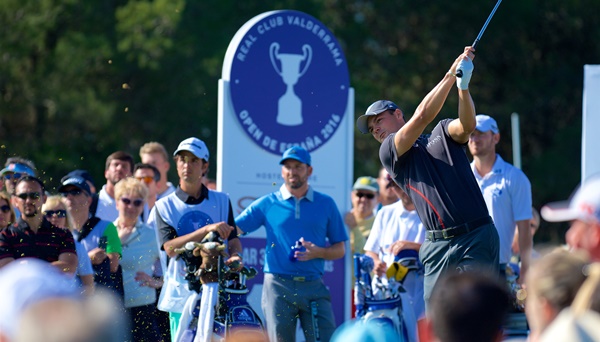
(506, 190)
(398, 228)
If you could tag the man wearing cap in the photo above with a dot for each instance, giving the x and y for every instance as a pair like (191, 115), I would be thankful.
(15, 168)
(118, 165)
(90, 181)
(99, 237)
(33, 236)
(506, 190)
(292, 280)
(186, 215)
(360, 219)
(583, 210)
(434, 171)
(397, 228)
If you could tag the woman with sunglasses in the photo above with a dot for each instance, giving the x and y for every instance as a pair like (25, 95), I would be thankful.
(7, 213)
(139, 254)
(360, 218)
(56, 212)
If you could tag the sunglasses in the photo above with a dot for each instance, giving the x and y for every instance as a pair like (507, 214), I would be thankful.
(5, 208)
(74, 192)
(146, 179)
(13, 176)
(362, 194)
(136, 202)
(31, 195)
(58, 213)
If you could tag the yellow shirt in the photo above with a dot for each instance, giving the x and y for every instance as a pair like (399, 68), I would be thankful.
(360, 234)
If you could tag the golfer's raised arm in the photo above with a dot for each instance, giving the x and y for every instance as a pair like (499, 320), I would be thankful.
(460, 129)
(430, 107)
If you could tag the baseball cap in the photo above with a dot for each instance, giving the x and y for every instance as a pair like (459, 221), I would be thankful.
(194, 145)
(27, 281)
(18, 168)
(79, 173)
(298, 153)
(375, 108)
(364, 331)
(78, 182)
(486, 123)
(366, 183)
(583, 205)
(569, 326)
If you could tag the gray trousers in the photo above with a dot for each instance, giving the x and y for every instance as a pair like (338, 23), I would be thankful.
(284, 301)
(475, 251)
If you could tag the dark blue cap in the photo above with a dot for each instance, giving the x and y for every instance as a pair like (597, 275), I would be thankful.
(77, 182)
(79, 173)
(375, 108)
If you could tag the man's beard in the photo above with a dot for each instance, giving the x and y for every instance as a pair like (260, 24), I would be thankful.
(31, 214)
(297, 184)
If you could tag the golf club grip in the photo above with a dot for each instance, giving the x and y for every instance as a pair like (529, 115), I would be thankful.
(459, 72)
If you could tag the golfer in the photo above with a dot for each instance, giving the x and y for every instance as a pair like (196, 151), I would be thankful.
(435, 172)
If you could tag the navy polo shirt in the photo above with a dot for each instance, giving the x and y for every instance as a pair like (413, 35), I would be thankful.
(436, 174)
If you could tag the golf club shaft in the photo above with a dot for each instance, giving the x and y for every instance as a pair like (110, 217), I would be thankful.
(459, 72)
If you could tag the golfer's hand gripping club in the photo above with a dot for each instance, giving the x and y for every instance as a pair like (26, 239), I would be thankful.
(465, 67)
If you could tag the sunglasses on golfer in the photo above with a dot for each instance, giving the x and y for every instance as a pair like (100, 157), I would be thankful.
(5, 208)
(31, 195)
(13, 176)
(135, 202)
(57, 213)
(146, 179)
(362, 194)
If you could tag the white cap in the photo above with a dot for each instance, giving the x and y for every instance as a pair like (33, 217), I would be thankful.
(584, 205)
(194, 145)
(486, 123)
(28, 281)
(573, 328)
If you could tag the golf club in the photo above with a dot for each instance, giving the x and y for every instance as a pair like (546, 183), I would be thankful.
(459, 72)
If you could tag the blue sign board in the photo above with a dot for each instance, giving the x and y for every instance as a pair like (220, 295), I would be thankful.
(288, 80)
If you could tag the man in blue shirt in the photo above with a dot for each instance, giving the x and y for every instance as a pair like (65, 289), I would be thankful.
(293, 281)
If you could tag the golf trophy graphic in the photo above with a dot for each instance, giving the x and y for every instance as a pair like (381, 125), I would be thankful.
(289, 108)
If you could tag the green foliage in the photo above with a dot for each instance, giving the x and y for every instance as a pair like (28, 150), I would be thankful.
(81, 79)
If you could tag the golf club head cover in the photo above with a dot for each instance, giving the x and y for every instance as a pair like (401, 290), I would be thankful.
(467, 70)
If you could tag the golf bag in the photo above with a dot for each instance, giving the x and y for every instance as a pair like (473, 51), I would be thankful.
(516, 322)
(223, 300)
(382, 301)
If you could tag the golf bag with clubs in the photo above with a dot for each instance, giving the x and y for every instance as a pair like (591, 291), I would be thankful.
(219, 292)
(516, 323)
(383, 301)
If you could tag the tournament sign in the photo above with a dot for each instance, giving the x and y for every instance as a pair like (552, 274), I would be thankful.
(285, 82)
(289, 81)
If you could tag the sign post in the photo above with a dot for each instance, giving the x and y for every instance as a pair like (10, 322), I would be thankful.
(285, 82)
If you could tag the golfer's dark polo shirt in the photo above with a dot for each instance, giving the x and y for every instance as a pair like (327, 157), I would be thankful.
(47, 244)
(436, 174)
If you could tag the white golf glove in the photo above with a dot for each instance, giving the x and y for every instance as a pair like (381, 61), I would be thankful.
(467, 70)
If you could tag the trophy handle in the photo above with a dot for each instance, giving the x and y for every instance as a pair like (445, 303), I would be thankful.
(274, 54)
(306, 49)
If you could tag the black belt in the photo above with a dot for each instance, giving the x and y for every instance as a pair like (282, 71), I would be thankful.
(459, 230)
